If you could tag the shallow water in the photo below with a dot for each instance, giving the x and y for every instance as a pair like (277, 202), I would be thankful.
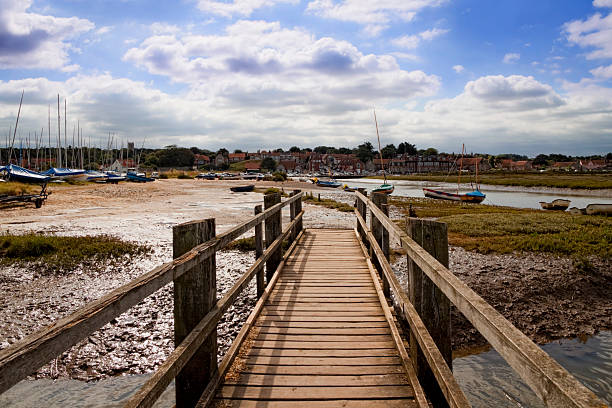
(496, 195)
(487, 378)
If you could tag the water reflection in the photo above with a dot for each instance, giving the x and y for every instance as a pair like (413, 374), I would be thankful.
(488, 380)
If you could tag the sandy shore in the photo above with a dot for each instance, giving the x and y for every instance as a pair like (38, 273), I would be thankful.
(543, 296)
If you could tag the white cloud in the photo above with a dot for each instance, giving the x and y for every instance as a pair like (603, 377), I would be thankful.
(238, 7)
(257, 62)
(164, 28)
(595, 32)
(511, 58)
(104, 30)
(31, 40)
(602, 3)
(458, 68)
(413, 41)
(602, 72)
(370, 13)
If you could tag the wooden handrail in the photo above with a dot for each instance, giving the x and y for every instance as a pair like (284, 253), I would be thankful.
(551, 382)
(155, 386)
(444, 376)
(35, 350)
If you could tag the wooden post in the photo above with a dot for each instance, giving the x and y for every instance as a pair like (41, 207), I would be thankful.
(362, 208)
(259, 249)
(273, 230)
(430, 302)
(195, 293)
(292, 214)
(298, 209)
(382, 237)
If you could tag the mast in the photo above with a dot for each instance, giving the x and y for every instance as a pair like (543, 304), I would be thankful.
(59, 135)
(15, 130)
(460, 167)
(382, 163)
(65, 136)
(49, 129)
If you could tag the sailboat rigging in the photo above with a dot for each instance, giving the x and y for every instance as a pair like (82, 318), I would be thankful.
(384, 188)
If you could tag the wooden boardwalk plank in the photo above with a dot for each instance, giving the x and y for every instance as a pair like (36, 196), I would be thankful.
(323, 339)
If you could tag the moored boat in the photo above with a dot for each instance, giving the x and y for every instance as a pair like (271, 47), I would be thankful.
(327, 183)
(16, 173)
(64, 173)
(243, 189)
(472, 197)
(560, 204)
(347, 188)
(599, 209)
(138, 178)
(384, 189)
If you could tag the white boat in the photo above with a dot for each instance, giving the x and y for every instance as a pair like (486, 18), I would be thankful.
(560, 204)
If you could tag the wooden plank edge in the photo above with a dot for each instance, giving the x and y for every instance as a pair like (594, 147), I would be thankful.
(209, 393)
(419, 394)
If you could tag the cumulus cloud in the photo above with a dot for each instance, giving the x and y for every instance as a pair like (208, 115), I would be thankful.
(31, 40)
(238, 7)
(274, 66)
(511, 58)
(458, 68)
(594, 33)
(377, 14)
(602, 72)
(602, 3)
(413, 41)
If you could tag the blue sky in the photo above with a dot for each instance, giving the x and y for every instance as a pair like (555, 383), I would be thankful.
(505, 76)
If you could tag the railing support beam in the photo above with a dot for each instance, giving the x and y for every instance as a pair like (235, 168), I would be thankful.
(259, 249)
(195, 294)
(273, 230)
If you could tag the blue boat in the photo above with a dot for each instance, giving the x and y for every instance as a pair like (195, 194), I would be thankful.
(64, 173)
(327, 183)
(113, 177)
(138, 178)
(16, 173)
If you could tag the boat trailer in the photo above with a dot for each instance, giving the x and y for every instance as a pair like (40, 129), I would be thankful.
(37, 199)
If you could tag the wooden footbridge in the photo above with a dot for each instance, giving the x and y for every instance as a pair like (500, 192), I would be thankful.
(332, 326)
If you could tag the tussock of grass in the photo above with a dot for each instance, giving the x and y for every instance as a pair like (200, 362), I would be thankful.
(59, 253)
(13, 188)
(178, 174)
(555, 180)
(487, 229)
(328, 203)
(271, 190)
(248, 244)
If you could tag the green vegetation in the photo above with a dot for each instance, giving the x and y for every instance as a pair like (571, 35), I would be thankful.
(549, 179)
(327, 202)
(178, 174)
(60, 253)
(184, 176)
(242, 244)
(279, 176)
(486, 229)
(13, 188)
(271, 190)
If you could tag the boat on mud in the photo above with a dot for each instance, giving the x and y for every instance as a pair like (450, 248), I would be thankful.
(560, 204)
(599, 209)
(327, 183)
(16, 173)
(243, 189)
(133, 176)
(62, 173)
(384, 188)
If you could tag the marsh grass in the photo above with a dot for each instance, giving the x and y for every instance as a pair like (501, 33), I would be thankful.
(248, 244)
(60, 253)
(549, 179)
(13, 188)
(328, 203)
(271, 190)
(487, 229)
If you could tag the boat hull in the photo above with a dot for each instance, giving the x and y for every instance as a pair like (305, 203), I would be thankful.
(474, 197)
(243, 189)
(555, 205)
(330, 184)
(138, 179)
(384, 189)
(599, 209)
(16, 173)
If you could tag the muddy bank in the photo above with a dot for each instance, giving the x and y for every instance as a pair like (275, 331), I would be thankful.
(543, 296)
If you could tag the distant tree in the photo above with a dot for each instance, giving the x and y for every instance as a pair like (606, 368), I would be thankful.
(344, 150)
(268, 163)
(195, 150)
(406, 148)
(365, 152)
(308, 149)
(541, 160)
(279, 150)
(173, 156)
(237, 151)
(511, 156)
(389, 151)
(223, 151)
(294, 149)
(322, 149)
(557, 157)
(609, 156)
(430, 152)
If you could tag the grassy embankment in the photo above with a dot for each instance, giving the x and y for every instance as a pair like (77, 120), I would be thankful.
(553, 180)
(64, 254)
(12, 188)
(487, 229)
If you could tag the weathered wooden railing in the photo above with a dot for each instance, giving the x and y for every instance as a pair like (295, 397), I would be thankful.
(426, 311)
(197, 310)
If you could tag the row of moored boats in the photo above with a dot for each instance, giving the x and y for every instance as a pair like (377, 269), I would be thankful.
(13, 172)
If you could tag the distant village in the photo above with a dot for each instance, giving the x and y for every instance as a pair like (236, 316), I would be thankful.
(405, 159)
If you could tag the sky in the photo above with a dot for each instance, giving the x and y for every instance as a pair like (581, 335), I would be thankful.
(505, 76)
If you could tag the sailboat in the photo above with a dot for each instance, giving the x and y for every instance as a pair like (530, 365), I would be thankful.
(475, 196)
(384, 188)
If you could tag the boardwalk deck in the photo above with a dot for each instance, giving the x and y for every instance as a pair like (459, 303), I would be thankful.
(322, 338)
